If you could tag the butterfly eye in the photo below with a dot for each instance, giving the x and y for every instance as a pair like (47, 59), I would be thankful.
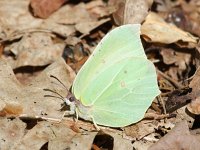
(72, 99)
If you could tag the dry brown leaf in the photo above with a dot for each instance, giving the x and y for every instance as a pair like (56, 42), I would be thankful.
(164, 6)
(19, 21)
(15, 16)
(98, 8)
(177, 99)
(142, 145)
(44, 8)
(11, 132)
(11, 108)
(194, 106)
(119, 142)
(145, 133)
(156, 30)
(79, 16)
(130, 11)
(31, 97)
(71, 15)
(196, 56)
(60, 29)
(192, 8)
(182, 114)
(16, 20)
(86, 27)
(145, 128)
(35, 49)
(179, 61)
(178, 138)
(140, 129)
(72, 40)
(58, 136)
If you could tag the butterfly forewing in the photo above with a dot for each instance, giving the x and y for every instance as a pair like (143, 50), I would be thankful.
(120, 43)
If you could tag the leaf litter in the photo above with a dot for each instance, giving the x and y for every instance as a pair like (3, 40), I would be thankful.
(31, 50)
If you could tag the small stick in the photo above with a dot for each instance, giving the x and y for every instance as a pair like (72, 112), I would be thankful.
(176, 84)
(163, 104)
(156, 116)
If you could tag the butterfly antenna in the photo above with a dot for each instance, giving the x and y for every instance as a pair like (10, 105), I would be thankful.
(54, 97)
(59, 96)
(59, 81)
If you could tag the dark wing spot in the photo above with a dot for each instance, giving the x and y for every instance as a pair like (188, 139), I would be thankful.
(125, 71)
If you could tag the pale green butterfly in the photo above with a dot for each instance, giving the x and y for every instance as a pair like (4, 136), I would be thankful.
(117, 83)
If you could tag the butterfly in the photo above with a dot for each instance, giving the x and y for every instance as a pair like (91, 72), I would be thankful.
(117, 83)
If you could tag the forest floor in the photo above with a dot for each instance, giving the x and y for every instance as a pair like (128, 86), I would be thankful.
(41, 38)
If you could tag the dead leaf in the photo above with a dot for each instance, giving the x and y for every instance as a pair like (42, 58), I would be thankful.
(156, 30)
(31, 96)
(12, 108)
(178, 138)
(14, 24)
(98, 9)
(181, 59)
(11, 132)
(164, 6)
(182, 114)
(35, 49)
(191, 9)
(44, 8)
(140, 130)
(58, 136)
(71, 40)
(130, 11)
(60, 29)
(196, 56)
(71, 15)
(142, 145)
(179, 62)
(86, 27)
(146, 132)
(120, 143)
(18, 20)
(15, 16)
(194, 106)
(177, 99)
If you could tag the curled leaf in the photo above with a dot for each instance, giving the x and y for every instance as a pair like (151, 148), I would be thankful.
(156, 30)
(130, 11)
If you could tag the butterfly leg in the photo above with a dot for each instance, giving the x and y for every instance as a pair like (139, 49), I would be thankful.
(65, 114)
(69, 112)
(95, 125)
(76, 112)
(62, 117)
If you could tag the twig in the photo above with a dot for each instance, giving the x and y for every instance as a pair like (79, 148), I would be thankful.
(156, 116)
(163, 103)
(175, 83)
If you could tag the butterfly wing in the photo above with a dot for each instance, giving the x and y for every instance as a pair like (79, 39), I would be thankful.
(128, 93)
(117, 81)
(120, 43)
